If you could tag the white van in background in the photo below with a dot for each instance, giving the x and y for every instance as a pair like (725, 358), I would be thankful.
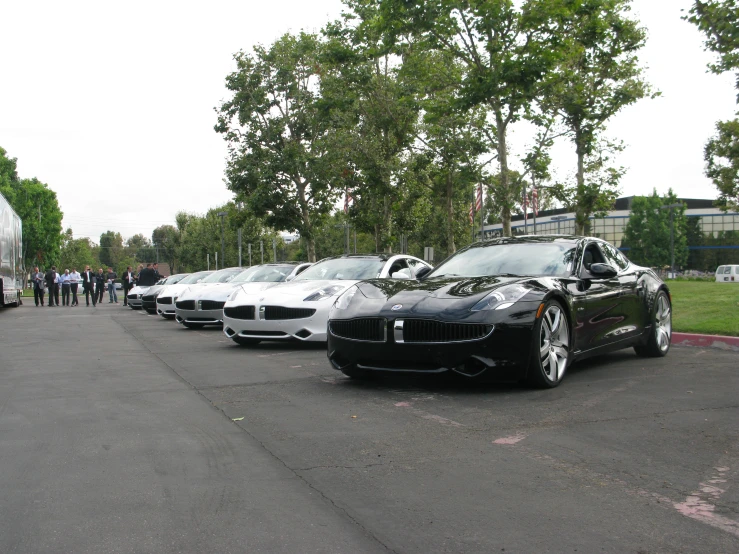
(727, 273)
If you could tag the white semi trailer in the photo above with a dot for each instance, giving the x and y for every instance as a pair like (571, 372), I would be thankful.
(11, 255)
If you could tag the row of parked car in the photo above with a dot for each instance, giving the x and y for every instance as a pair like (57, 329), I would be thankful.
(519, 308)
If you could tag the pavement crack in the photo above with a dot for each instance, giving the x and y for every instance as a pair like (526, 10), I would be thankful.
(338, 467)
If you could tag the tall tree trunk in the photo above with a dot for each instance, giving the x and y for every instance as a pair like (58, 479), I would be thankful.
(505, 182)
(451, 247)
(387, 223)
(307, 230)
(582, 223)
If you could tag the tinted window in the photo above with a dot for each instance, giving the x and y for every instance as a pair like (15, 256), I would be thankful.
(536, 258)
(264, 274)
(613, 256)
(195, 277)
(223, 275)
(343, 268)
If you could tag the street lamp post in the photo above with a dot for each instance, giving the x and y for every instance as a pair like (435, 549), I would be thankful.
(222, 215)
(558, 218)
(672, 207)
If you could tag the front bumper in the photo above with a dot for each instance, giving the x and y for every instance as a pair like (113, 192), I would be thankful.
(505, 352)
(307, 329)
(165, 307)
(134, 302)
(202, 317)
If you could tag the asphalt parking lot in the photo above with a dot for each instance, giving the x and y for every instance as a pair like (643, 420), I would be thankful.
(123, 432)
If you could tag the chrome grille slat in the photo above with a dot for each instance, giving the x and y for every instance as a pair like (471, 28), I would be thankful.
(370, 329)
(431, 331)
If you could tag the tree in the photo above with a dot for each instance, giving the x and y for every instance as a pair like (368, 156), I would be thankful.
(719, 22)
(507, 48)
(275, 133)
(722, 163)
(75, 253)
(166, 240)
(111, 249)
(37, 206)
(597, 76)
(647, 232)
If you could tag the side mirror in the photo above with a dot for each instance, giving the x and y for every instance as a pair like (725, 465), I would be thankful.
(422, 271)
(290, 278)
(402, 274)
(602, 271)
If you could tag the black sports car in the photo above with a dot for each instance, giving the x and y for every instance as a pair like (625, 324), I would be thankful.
(522, 307)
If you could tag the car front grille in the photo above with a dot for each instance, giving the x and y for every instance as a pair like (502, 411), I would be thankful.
(239, 312)
(211, 305)
(370, 329)
(280, 312)
(166, 300)
(185, 304)
(426, 330)
(149, 298)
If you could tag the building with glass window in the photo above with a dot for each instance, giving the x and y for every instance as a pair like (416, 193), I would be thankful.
(713, 235)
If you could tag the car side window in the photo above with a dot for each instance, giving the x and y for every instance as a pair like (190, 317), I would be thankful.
(613, 256)
(415, 265)
(399, 265)
(592, 255)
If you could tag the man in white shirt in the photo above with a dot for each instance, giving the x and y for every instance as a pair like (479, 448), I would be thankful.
(88, 285)
(65, 281)
(74, 281)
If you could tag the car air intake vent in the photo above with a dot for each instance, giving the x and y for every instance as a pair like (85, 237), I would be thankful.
(211, 305)
(165, 300)
(239, 312)
(279, 312)
(426, 330)
(185, 304)
(149, 298)
(370, 329)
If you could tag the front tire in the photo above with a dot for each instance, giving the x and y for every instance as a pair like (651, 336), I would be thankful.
(550, 354)
(660, 333)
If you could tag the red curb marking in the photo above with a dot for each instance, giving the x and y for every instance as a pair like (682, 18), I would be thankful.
(706, 341)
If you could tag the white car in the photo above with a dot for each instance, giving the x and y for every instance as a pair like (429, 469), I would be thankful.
(134, 297)
(298, 310)
(165, 299)
(204, 305)
(215, 278)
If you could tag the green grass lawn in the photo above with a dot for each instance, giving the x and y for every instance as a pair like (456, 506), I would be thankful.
(708, 308)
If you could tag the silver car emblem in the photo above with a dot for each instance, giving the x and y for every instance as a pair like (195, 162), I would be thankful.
(396, 307)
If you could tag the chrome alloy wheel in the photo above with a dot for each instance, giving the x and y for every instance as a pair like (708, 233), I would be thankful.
(554, 342)
(663, 323)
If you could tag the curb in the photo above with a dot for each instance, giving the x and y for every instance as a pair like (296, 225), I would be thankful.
(706, 341)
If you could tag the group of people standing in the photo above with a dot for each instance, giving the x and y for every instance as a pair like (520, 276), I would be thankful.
(93, 284)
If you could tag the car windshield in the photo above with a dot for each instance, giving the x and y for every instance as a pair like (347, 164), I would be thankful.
(343, 268)
(553, 259)
(195, 277)
(173, 279)
(223, 275)
(264, 273)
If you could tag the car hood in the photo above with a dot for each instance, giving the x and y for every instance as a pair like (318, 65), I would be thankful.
(440, 295)
(222, 291)
(155, 289)
(138, 290)
(301, 289)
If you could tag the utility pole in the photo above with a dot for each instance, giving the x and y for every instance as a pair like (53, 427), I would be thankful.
(240, 248)
(261, 249)
(249, 254)
(672, 207)
(208, 260)
(222, 215)
(274, 250)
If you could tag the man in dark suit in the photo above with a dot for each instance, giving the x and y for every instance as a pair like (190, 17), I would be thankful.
(51, 284)
(147, 277)
(88, 285)
(129, 281)
(99, 285)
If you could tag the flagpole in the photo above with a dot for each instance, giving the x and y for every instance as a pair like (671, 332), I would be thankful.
(525, 214)
(472, 207)
(534, 202)
(482, 215)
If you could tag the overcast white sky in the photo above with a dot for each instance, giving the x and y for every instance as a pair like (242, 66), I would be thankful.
(112, 104)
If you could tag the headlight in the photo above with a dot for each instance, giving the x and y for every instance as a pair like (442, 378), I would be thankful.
(326, 292)
(501, 298)
(342, 303)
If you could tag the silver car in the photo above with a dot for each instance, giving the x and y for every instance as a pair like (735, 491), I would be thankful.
(166, 298)
(204, 306)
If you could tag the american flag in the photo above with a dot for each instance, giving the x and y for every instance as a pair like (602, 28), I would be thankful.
(347, 199)
(478, 203)
(535, 201)
(472, 213)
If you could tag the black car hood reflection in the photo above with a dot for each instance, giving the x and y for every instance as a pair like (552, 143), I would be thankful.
(442, 288)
